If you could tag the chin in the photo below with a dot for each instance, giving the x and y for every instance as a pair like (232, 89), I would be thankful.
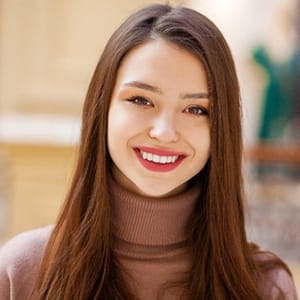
(159, 193)
(154, 194)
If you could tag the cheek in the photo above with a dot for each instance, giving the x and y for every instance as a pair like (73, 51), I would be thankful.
(118, 123)
(123, 124)
(116, 118)
(124, 117)
(200, 141)
(115, 124)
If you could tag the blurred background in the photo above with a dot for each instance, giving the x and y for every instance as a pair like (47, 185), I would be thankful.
(48, 50)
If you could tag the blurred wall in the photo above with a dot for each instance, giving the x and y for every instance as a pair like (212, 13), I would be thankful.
(50, 48)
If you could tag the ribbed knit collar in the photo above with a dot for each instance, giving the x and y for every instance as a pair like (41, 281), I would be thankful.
(150, 221)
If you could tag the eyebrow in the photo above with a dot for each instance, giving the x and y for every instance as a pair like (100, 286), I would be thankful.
(151, 88)
(144, 86)
(195, 96)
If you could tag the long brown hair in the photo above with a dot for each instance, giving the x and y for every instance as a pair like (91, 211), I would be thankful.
(78, 261)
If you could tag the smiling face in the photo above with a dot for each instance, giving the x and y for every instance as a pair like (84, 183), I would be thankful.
(158, 124)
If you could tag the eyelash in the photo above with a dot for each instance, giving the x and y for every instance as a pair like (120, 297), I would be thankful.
(139, 100)
(203, 111)
(142, 101)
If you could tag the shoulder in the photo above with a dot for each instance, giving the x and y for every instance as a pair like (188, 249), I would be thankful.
(277, 281)
(284, 281)
(19, 256)
(280, 284)
(25, 245)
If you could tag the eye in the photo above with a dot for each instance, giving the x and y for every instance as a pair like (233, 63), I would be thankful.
(139, 100)
(196, 110)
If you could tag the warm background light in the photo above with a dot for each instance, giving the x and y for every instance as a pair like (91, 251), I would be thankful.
(48, 50)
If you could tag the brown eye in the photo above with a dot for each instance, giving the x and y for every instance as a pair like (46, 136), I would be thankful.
(196, 110)
(139, 100)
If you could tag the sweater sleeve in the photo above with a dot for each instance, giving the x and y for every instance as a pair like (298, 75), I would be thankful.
(4, 277)
(276, 282)
(20, 259)
(281, 285)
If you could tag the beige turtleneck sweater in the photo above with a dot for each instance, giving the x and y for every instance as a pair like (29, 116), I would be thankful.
(149, 240)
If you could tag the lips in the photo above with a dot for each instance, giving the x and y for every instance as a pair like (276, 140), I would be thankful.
(159, 160)
(160, 152)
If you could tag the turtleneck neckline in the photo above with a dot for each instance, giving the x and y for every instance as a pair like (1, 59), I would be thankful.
(148, 221)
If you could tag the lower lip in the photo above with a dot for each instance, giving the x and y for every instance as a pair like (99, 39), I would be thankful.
(157, 167)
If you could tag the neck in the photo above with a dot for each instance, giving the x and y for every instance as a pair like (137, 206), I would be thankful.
(148, 221)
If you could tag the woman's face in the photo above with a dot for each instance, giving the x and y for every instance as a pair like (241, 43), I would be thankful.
(158, 124)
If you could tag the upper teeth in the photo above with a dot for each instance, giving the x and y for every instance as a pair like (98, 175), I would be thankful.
(158, 158)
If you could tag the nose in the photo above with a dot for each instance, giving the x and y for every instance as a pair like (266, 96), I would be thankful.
(163, 129)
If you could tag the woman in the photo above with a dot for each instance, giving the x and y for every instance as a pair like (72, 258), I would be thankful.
(155, 208)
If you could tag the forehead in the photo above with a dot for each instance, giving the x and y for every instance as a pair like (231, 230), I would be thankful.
(161, 61)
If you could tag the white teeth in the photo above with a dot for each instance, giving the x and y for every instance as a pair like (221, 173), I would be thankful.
(163, 159)
(158, 159)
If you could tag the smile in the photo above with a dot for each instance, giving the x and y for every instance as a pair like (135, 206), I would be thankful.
(158, 158)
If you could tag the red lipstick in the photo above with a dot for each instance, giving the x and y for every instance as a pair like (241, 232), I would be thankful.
(159, 167)
(160, 152)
